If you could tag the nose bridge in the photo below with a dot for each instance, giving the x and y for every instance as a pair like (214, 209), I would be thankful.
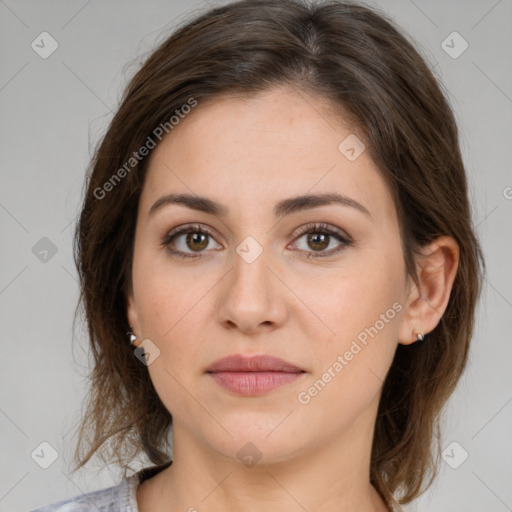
(250, 272)
(250, 295)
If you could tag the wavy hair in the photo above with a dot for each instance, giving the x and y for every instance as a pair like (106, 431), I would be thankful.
(354, 58)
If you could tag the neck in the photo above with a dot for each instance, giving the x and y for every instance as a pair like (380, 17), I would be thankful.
(331, 476)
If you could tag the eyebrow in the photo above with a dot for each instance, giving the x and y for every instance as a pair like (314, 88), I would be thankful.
(282, 208)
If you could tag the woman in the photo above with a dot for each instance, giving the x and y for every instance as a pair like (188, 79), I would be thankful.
(303, 351)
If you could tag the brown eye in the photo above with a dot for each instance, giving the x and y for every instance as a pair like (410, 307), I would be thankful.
(318, 238)
(196, 241)
(192, 241)
(184, 241)
(318, 241)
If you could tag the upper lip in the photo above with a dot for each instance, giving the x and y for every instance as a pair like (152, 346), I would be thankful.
(258, 363)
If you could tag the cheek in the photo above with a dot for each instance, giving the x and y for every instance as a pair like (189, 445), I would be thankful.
(351, 366)
(167, 306)
(364, 311)
(368, 294)
(168, 317)
(164, 292)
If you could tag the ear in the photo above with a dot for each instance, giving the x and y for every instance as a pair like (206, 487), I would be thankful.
(132, 316)
(426, 304)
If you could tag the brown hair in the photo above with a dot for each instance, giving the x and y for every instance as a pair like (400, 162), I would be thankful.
(355, 59)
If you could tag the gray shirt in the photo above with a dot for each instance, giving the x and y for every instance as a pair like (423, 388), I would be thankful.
(118, 498)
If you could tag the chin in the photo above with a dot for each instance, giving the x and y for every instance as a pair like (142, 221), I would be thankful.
(251, 444)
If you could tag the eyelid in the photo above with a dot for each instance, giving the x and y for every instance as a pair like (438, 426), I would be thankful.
(186, 228)
(341, 236)
(322, 226)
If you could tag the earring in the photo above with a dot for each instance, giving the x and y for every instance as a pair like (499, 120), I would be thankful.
(420, 337)
(131, 337)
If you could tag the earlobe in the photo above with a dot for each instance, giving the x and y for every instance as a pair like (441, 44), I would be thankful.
(436, 267)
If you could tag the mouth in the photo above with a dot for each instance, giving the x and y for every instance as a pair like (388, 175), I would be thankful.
(253, 376)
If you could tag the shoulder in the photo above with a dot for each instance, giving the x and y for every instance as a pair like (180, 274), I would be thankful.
(118, 498)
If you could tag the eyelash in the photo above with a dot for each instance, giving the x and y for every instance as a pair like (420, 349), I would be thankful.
(319, 228)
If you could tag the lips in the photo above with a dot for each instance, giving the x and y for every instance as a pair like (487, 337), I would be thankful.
(261, 363)
(253, 376)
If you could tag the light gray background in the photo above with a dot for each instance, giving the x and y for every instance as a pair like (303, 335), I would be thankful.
(53, 112)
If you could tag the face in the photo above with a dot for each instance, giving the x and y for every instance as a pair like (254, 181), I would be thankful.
(318, 284)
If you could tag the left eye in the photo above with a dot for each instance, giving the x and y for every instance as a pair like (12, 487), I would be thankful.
(319, 237)
(197, 239)
(318, 241)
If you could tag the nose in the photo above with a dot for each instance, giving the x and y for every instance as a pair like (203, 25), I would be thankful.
(252, 298)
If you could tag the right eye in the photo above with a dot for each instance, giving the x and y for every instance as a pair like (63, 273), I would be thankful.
(193, 237)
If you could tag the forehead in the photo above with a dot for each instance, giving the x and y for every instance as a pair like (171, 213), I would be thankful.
(272, 145)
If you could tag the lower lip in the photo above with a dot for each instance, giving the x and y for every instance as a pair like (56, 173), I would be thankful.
(254, 383)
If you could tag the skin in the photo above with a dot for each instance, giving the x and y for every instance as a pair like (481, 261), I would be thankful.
(248, 154)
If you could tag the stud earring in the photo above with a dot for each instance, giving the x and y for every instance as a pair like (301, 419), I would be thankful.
(420, 337)
(131, 337)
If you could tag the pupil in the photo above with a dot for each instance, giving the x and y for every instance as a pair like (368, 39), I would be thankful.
(193, 237)
(322, 243)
